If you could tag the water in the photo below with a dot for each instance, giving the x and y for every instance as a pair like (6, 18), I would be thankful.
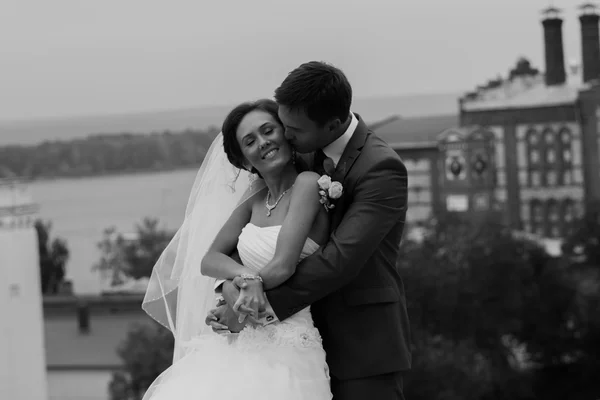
(80, 210)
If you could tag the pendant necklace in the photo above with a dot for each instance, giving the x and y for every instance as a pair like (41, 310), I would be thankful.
(272, 207)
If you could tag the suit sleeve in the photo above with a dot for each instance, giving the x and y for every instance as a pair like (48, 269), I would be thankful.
(379, 203)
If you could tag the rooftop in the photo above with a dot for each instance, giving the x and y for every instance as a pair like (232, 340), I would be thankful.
(110, 320)
(420, 132)
(525, 92)
(525, 87)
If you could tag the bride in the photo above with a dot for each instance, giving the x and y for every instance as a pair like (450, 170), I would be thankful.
(250, 195)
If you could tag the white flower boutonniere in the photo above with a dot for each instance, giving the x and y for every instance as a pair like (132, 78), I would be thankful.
(329, 191)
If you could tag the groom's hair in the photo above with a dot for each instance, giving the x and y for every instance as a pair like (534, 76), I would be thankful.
(319, 89)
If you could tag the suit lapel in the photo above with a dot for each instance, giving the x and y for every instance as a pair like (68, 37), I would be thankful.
(349, 156)
(351, 151)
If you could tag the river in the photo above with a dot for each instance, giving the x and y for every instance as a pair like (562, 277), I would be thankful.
(81, 209)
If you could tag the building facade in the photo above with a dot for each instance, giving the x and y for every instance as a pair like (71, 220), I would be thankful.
(22, 356)
(416, 141)
(526, 146)
(82, 335)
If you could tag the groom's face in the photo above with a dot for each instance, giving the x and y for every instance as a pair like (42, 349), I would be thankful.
(304, 134)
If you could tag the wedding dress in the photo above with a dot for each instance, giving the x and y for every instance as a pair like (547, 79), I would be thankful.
(283, 360)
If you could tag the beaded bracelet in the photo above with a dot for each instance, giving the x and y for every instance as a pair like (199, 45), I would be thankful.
(251, 277)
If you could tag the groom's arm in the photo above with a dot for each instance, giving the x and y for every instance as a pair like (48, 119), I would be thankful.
(379, 202)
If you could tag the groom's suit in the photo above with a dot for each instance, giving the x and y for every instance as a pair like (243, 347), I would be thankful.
(352, 282)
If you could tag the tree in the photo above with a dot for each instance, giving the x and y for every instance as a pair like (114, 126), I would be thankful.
(583, 246)
(146, 353)
(135, 257)
(100, 154)
(112, 259)
(53, 258)
(477, 294)
(572, 370)
(142, 254)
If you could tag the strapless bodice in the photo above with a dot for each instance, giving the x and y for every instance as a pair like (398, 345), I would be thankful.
(256, 247)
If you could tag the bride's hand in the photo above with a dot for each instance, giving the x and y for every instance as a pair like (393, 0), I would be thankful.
(252, 298)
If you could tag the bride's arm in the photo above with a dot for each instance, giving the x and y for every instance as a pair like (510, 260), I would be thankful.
(304, 208)
(217, 263)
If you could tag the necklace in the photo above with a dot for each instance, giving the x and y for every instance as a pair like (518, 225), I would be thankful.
(272, 207)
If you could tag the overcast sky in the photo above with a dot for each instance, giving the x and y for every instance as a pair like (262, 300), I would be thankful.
(78, 57)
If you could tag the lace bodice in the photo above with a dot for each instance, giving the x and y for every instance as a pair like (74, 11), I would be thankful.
(256, 247)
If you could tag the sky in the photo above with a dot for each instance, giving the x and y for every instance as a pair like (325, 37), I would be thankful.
(76, 57)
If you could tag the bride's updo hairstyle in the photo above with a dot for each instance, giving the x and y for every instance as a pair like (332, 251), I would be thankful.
(232, 122)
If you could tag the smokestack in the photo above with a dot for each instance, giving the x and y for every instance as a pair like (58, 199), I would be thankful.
(553, 42)
(83, 318)
(590, 42)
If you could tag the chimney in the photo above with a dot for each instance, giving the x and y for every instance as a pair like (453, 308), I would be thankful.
(83, 318)
(553, 43)
(590, 42)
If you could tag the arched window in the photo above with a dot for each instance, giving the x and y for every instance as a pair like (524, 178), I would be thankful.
(565, 164)
(549, 151)
(534, 157)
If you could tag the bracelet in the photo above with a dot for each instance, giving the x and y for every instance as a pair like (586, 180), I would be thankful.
(251, 277)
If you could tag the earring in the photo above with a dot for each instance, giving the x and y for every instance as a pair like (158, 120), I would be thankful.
(294, 156)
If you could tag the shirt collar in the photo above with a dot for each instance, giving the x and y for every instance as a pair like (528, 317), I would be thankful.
(335, 149)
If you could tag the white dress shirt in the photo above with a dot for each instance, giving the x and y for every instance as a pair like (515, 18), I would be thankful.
(335, 149)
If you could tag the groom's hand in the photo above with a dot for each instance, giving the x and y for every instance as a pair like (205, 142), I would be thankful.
(215, 320)
(224, 320)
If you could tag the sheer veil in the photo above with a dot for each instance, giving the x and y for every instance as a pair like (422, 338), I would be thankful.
(178, 295)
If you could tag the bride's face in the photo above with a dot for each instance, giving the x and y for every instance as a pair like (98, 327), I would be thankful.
(262, 141)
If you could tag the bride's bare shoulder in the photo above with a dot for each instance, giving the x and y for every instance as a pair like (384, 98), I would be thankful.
(256, 198)
(307, 179)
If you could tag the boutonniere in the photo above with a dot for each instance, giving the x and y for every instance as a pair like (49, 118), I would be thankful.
(329, 191)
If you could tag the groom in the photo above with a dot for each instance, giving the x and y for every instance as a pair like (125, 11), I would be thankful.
(352, 282)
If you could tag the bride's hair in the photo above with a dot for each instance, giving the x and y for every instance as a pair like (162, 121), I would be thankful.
(232, 122)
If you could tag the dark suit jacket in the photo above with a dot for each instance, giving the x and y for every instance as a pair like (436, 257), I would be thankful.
(352, 282)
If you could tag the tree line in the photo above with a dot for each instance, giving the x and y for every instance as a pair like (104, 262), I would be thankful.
(107, 154)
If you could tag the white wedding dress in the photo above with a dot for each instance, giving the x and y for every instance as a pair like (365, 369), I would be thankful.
(282, 361)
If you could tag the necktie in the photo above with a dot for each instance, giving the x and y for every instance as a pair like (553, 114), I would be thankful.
(323, 164)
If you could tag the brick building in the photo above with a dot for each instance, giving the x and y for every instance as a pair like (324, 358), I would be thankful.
(527, 145)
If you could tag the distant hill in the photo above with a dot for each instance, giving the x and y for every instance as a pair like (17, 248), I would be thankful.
(40, 130)
(107, 154)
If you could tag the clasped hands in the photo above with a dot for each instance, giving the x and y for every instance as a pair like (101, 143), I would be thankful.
(249, 302)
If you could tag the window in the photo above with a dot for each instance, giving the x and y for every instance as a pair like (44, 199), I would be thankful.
(553, 218)
(534, 157)
(536, 212)
(548, 137)
(549, 160)
(565, 162)
(534, 179)
(568, 216)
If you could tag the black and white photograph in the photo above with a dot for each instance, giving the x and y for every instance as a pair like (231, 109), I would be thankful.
(316, 200)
